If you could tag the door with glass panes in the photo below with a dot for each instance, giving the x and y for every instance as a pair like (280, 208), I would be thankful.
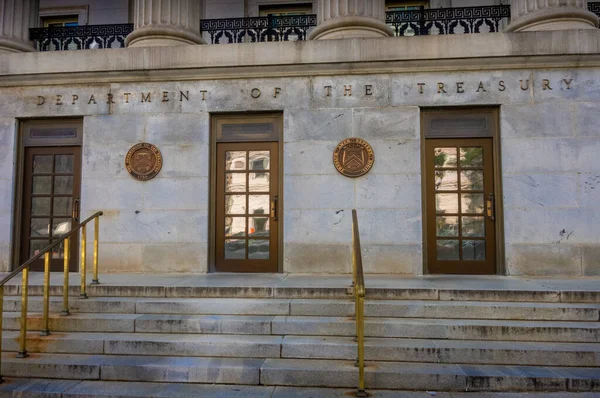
(460, 206)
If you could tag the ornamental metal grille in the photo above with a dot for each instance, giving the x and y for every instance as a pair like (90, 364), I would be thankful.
(80, 37)
(447, 21)
(258, 29)
(594, 7)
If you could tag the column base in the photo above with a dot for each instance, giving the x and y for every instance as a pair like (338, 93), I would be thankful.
(153, 36)
(9, 45)
(350, 28)
(560, 18)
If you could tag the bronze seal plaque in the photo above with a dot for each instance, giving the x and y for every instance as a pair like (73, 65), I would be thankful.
(143, 161)
(353, 157)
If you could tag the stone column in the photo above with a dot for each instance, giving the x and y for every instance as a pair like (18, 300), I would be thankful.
(165, 23)
(16, 17)
(532, 15)
(344, 19)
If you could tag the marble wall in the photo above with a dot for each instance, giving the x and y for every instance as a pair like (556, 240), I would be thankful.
(550, 172)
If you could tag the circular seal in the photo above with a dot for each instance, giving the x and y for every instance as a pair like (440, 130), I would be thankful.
(143, 161)
(353, 157)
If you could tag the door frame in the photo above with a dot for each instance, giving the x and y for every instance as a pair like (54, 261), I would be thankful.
(494, 113)
(212, 213)
(19, 171)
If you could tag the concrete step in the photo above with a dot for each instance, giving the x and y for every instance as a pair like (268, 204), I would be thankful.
(444, 351)
(455, 329)
(425, 377)
(214, 306)
(207, 324)
(134, 368)
(449, 309)
(74, 322)
(235, 346)
(115, 305)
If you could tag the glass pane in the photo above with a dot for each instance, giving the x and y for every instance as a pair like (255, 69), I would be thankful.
(59, 251)
(258, 226)
(235, 227)
(473, 250)
(41, 185)
(446, 203)
(259, 182)
(471, 157)
(471, 180)
(63, 184)
(61, 226)
(472, 203)
(235, 182)
(42, 164)
(446, 180)
(235, 160)
(259, 160)
(258, 249)
(445, 157)
(473, 226)
(62, 207)
(235, 204)
(36, 246)
(447, 250)
(259, 204)
(235, 249)
(40, 227)
(63, 164)
(447, 226)
(40, 206)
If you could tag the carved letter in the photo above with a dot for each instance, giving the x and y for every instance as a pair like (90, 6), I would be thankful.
(255, 93)
(109, 98)
(441, 88)
(481, 88)
(328, 91)
(459, 87)
(59, 99)
(369, 89)
(348, 91)
(126, 97)
(203, 94)
(546, 84)
(186, 95)
(146, 98)
(41, 100)
(421, 85)
(75, 98)
(524, 88)
(501, 85)
(568, 83)
(276, 92)
(165, 97)
(92, 99)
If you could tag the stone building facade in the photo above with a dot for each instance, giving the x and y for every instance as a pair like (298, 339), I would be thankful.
(532, 96)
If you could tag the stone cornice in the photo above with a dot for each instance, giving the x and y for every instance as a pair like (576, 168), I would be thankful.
(495, 51)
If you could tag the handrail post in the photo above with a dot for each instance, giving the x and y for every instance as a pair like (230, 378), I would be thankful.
(46, 330)
(23, 337)
(83, 293)
(67, 259)
(95, 280)
(1, 315)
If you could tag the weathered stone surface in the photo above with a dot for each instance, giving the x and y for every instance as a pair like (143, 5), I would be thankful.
(317, 125)
(541, 190)
(54, 366)
(175, 257)
(590, 260)
(390, 226)
(386, 191)
(319, 192)
(226, 324)
(57, 342)
(517, 121)
(74, 323)
(309, 158)
(587, 116)
(396, 157)
(317, 258)
(544, 260)
(218, 306)
(391, 123)
(392, 259)
(512, 378)
(589, 189)
(318, 226)
(355, 88)
(35, 388)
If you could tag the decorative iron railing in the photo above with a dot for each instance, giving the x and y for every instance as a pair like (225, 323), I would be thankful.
(594, 7)
(258, 29)
(447, 21)
(80, 37)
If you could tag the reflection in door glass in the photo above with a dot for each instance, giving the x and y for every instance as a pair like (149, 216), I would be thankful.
(447, 250)
(235, 226)
(235, 204)
(41, 185)
(259, 160)
(473, 250)
(472, 203)
(258, 226)
(471, 157)
(63, 164)
(42, 164)
(446, 203)
(235, 160)
(258, 249)
(445, 157)
(235, 249)
(259, 182)
(258, 204)
(447, 226)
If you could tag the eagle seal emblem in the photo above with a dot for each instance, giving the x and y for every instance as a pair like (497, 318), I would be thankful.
(143, 161)
(353, 157)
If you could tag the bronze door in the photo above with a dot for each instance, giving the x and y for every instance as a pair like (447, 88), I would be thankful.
(247, 207)
(460, 206)
(52, 179)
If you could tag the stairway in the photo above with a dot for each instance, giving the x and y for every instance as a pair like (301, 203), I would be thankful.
(417, 339)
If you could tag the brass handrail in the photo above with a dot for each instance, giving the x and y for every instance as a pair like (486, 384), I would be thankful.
(359, 304)
(22, 353)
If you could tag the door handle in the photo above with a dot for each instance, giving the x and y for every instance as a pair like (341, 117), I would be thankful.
(490, 206)
(274, 208)
(75, 211)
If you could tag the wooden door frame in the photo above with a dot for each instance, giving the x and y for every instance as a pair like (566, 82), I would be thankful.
(497, 165)
(212, 213)
(19, 174)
